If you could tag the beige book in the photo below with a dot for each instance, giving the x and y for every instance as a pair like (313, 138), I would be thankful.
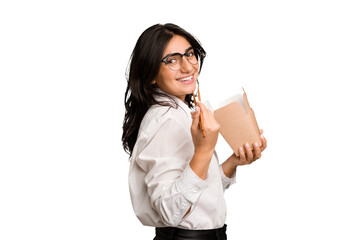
(237, 122)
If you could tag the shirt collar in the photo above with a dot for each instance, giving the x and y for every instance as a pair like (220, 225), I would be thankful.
(180, 103)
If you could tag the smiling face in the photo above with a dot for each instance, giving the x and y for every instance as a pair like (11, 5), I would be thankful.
(183, 81)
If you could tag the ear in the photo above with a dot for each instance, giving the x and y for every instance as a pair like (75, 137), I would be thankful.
(153, 82)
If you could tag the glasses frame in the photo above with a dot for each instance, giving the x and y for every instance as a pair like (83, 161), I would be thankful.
(196, 53)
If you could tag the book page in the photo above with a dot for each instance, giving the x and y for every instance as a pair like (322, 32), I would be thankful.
(237, 98)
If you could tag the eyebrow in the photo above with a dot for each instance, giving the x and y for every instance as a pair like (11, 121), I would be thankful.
(189, 48)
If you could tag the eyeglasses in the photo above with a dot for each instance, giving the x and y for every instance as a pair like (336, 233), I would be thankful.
(175, 60)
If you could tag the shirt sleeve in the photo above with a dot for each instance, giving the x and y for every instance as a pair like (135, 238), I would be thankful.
(226, 181)
(172, 186)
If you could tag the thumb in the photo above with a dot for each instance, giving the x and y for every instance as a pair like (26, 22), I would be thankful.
(195, 117)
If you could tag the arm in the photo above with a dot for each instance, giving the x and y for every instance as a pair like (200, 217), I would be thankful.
(204, 146)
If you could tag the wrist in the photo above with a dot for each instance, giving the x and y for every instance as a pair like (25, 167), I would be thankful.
(233, 161)
(200, 164)
(229, 166)
(203, 155)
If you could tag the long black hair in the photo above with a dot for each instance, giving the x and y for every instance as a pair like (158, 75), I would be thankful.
(144, 66)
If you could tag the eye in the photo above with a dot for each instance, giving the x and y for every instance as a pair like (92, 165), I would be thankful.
(190, 54)
(173, 60)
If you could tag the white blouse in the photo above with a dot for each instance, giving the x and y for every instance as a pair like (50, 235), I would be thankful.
(162, 185)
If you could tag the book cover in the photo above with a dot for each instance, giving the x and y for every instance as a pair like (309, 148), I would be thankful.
(237, 121)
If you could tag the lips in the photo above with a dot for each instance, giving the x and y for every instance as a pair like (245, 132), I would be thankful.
(186, 80)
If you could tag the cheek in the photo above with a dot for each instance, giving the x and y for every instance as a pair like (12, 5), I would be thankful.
(196, 75)
(165, 81)
(163, 77)
(197, 69)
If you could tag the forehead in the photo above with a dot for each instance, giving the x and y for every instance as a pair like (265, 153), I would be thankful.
(177, 44)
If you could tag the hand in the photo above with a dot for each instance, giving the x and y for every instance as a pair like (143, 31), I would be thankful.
(248, 156)
(204, 145)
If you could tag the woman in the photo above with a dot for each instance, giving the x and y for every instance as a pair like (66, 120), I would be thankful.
(176, 182)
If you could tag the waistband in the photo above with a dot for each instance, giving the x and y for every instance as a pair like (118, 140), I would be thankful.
(172, 233)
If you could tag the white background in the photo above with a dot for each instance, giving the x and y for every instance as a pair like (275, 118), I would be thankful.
(63, 172)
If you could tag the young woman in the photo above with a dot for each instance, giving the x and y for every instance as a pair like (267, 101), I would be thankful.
(176, 182)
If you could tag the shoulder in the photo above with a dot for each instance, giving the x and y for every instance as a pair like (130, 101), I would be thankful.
(175, 118)
(158, 115)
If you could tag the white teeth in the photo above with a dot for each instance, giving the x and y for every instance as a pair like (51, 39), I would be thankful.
(185, 79)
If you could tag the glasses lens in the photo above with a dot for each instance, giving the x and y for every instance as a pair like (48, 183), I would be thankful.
(174, 62)
(192, 57)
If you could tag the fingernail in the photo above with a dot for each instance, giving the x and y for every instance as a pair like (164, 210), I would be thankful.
(241, 150)
(197, 109)
(247, 145)
(262, 137)
(256, 144)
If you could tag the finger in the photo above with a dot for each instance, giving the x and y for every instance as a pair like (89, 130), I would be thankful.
(261, 131)
(257, 151)
(242, 156)
(205, 112)
(263, 142)
(195, 116)
(249, 154)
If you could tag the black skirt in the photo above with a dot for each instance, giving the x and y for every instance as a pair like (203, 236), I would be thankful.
(172, 233)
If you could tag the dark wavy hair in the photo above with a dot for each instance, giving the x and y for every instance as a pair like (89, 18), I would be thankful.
(144, 66)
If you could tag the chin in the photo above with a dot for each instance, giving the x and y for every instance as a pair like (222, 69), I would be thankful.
(191, 90)
(193, 86)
